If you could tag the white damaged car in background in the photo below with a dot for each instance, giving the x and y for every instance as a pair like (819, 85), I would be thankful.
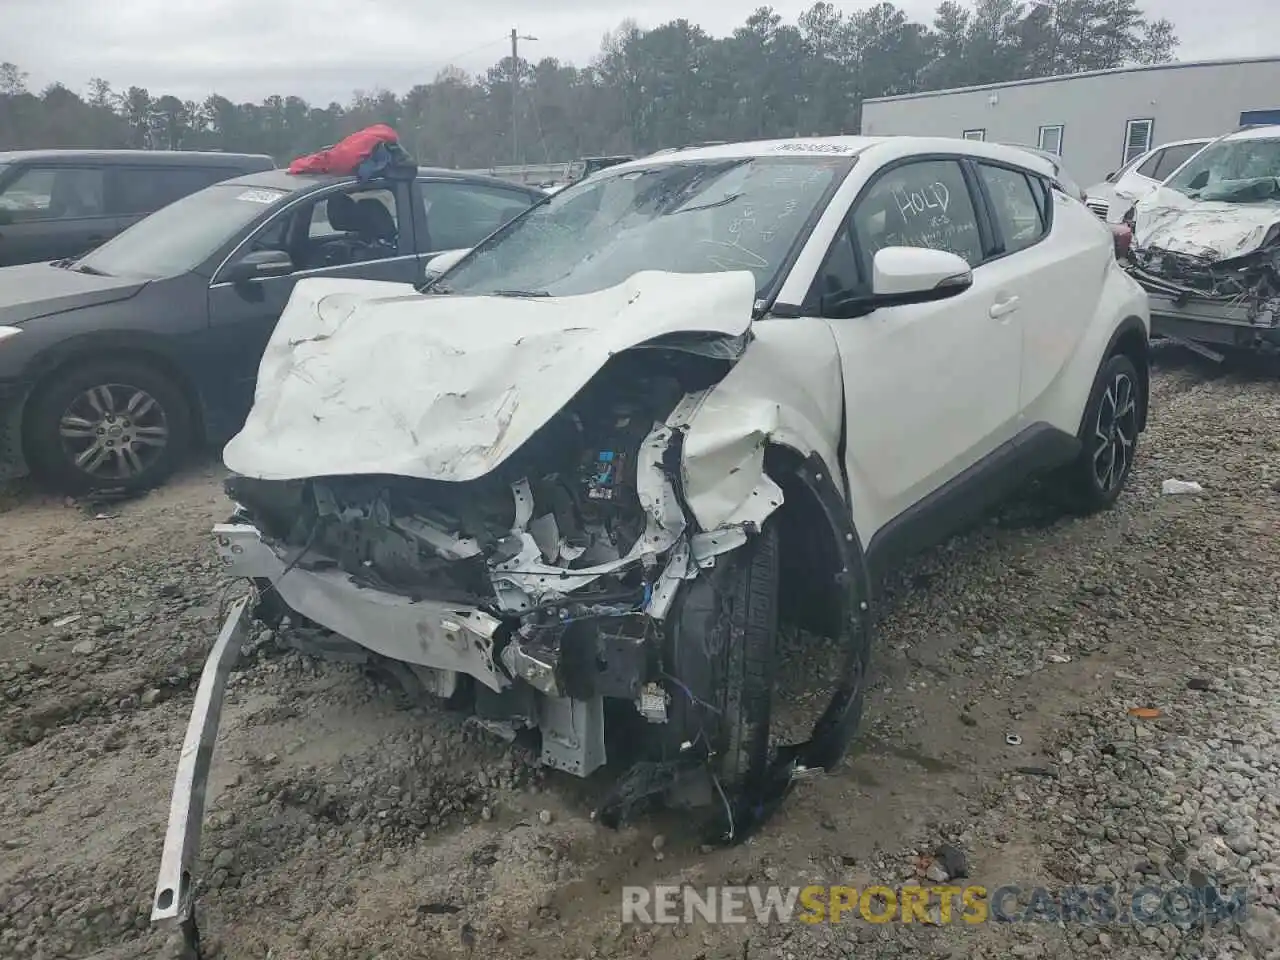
(1206, 246)
(579, 482)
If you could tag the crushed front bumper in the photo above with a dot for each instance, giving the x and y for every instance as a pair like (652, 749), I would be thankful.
(1182, 315)
(446, 637)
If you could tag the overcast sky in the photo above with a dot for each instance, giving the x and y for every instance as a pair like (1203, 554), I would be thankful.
(324, 49)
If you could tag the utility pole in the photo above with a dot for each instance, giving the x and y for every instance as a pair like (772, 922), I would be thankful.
(515, 92)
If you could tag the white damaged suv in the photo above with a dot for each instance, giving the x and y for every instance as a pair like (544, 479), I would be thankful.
(577, 483)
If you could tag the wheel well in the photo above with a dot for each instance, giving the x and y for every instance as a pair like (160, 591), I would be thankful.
(1132, 343)
(809, 564)
(127, 354)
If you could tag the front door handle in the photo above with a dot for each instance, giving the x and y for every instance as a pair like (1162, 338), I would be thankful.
(1002, 308)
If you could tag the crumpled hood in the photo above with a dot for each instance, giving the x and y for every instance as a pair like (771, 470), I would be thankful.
(1169, 220)
(364, 377)
(34, 290)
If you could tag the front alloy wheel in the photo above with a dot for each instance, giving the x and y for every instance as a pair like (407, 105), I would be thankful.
(114, 432)
(112, 424)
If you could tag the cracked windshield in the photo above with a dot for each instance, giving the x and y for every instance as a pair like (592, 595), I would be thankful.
(696, 217)
(1234, 171)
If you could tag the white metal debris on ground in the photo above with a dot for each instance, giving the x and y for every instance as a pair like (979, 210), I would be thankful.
(1175, 487)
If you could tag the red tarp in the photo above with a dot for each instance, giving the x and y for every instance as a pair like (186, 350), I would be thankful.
(346, 155)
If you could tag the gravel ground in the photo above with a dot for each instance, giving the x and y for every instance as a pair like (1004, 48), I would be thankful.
(347, 823)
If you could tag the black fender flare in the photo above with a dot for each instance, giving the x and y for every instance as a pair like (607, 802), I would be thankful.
(1130, 327)
(832, 732)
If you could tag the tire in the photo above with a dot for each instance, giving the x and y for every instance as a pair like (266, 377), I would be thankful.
(1109, 437)
(722, 652)
(142, 407)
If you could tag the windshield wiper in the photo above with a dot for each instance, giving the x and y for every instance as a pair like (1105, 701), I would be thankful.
(91, 271)
(708, 206)
(519, 293)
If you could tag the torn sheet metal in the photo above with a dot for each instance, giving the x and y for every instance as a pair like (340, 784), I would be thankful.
(1170, 221)
(356, 381)
(787, 390)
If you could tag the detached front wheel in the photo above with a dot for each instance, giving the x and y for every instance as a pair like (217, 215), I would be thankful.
(107, 425)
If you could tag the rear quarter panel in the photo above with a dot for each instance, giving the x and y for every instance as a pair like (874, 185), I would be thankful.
(1061, 358)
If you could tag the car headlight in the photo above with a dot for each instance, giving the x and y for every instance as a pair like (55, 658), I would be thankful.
(7, 332)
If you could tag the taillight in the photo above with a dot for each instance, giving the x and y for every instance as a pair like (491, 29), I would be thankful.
(1123, 237)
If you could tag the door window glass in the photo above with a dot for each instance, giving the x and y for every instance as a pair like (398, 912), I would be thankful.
(54, 193)
(352, 226)
(839, 274)
(460, 215)
(1013, 200)
(922, 204)
(1174, 157)
(1151, 164)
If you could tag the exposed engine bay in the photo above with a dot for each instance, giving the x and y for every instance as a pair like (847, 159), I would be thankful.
(1251, 281)
(559, 566)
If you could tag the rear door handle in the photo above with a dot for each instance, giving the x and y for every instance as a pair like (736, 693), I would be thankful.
(1002, 308)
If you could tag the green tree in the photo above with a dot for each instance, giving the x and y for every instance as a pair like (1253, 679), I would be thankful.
(646, 89)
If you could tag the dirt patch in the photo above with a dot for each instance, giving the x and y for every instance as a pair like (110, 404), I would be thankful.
(346, 823)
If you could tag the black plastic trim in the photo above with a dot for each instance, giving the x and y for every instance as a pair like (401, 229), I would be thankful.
(1037, 449)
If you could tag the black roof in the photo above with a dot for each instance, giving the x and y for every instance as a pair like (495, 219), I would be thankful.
(283, 180)
(161, 157)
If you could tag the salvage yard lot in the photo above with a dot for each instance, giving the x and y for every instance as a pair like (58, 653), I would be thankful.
(350, 825)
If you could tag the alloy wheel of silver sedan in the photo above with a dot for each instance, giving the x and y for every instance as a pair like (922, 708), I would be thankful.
(1115, 433)
(114, 431)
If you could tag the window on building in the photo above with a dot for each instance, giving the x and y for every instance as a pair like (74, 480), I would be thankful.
(1137, 138)
(975, 134)
(1051, 139)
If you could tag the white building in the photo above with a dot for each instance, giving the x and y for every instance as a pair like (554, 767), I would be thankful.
(1097, 120)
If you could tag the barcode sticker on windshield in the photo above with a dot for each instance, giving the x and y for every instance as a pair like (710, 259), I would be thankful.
(260, 196)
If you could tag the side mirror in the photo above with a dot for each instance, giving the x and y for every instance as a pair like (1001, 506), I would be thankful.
(901, 275)
(1111, 177)
(260, 265)
(442, 262)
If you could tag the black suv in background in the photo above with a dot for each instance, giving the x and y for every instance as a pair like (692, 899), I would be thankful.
(63, 203)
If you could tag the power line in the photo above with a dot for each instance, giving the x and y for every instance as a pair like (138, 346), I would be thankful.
(452, 59)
